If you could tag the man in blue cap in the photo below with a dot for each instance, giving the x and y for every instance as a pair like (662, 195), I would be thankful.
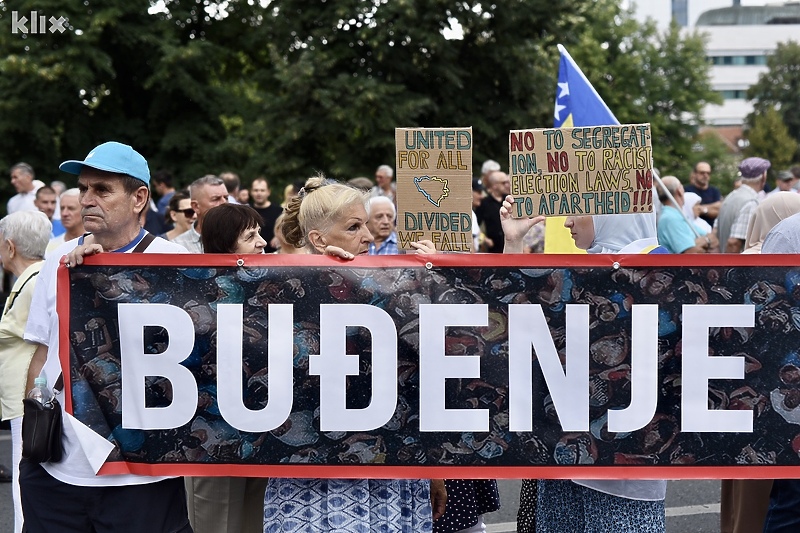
(69, 496)
(738, 206)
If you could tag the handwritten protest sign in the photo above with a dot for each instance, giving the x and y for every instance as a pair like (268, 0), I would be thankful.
(448, 365)
(593, 170)
(434, 187)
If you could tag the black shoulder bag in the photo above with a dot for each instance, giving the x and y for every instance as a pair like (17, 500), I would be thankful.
(42, 423)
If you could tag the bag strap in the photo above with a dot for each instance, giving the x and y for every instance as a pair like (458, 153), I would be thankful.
(59, 386)
(144, 243)
(14, 295)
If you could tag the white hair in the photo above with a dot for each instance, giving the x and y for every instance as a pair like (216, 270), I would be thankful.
(70, 192)
(29, 231)
(490, 165)
(381, 200)
(389, 171)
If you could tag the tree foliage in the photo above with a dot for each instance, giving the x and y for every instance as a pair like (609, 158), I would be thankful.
(288, 87)
(779, 88)
(769, 138)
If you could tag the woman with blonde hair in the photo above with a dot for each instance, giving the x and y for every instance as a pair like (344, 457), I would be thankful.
(330, 218)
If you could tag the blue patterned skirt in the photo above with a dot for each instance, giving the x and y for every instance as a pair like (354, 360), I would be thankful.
(347, 505)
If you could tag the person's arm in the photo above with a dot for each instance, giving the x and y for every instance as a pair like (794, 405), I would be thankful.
(707, 210)
(515, 229)
(702, 245)
(438, 498)
(35, 368)
(734, 245)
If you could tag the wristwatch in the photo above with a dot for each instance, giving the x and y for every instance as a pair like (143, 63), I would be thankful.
(705, 210)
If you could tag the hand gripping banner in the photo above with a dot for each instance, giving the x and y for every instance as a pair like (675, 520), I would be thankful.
(457, 366)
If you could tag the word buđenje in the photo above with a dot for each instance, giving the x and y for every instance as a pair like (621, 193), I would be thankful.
(529, 338)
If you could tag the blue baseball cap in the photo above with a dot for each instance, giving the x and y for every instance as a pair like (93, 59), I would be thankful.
(112, 157)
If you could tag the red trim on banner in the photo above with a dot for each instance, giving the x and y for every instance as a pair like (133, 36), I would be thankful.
(445, 260)
(62, 309)
(456, 472)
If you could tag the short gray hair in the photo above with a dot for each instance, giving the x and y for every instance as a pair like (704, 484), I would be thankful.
(389, 171)
(70, 192)
(490, 165)
(24, 167)
(29, 231)
(381, 200)
(207, 180)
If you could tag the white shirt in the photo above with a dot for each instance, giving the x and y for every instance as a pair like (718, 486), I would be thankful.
(84, 450)
(22, 202)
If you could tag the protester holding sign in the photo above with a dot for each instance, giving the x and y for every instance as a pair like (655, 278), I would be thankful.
(69, 495)
(221, 503)
(331, 219)
(621, 506)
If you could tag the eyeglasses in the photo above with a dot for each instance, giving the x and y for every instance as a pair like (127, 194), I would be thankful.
(188, 213)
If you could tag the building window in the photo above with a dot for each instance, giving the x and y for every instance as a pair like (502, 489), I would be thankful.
(738, 60)
(737, 94)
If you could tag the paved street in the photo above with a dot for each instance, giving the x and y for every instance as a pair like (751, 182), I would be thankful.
(692, 506)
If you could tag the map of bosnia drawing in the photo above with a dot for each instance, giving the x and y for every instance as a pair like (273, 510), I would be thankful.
(433, 188)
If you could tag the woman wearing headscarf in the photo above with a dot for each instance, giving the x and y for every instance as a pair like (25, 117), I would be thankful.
(574, 506)
(769, 212)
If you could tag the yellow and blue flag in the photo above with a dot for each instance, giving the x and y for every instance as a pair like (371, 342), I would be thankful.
(577, 104)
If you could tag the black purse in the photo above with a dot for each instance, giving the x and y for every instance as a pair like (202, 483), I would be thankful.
(42, 428)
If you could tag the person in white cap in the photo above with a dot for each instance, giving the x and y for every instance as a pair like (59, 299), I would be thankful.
(69, 496)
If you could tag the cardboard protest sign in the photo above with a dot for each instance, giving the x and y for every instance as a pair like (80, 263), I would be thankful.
(594, 170)
(444, 366)
(434, 187)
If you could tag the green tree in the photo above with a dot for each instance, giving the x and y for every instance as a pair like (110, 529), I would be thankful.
(769, 138)
(117, 73)
(779, 87)
(647, 76)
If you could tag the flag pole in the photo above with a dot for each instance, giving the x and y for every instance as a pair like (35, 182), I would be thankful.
(660, 183)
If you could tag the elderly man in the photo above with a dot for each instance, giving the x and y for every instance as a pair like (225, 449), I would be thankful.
(206, 192)
(738, 207)
(69, 496)
(786, 181)
(675, 233)
(498, 186)
(23, 239)
(22, 178)
(70, 219)
(710, 196)
(385, 186)
(382, 225)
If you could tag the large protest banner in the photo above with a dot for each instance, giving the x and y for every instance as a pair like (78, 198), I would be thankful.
(439, 366)
(434, 187)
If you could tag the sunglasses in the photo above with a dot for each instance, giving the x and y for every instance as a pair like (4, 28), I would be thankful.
(188, 213)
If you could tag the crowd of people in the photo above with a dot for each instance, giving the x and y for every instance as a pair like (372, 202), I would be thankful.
(113, 211)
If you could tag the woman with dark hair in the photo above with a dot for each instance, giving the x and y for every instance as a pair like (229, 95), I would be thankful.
(232, 229)
(180, 214)
(229, 503)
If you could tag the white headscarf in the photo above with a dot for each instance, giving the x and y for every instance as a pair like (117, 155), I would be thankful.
(629, 233)
(775, 208)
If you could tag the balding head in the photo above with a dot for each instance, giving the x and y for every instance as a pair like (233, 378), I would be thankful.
(675, 188)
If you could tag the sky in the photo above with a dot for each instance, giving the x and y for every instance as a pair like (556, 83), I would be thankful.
(661, 10)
